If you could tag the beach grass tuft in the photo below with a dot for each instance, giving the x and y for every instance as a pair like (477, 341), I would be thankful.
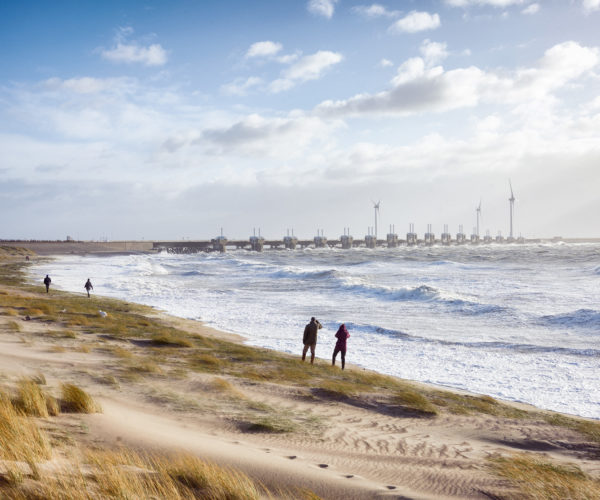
(539, 479)
(126, 474)
(413, 400)
(21, 438)
(76, 400)
(31, 399)
(13, 326)
(268, 425)
(171, 339)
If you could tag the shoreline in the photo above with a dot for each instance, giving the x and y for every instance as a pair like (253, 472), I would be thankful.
(518, 396)
(198, 326)
(352, 434)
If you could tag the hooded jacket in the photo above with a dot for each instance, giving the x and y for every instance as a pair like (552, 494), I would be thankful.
(342, 335)
(310, 332)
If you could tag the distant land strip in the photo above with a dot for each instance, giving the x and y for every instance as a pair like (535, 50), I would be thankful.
(59, 247)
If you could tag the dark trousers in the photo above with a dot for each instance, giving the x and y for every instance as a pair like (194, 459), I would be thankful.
(342, 352)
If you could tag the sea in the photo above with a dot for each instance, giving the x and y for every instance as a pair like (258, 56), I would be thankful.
(518, 322)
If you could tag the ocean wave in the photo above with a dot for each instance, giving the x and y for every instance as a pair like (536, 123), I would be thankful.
(484, 346)
(299, 273)
(196, 273)
(422, 293)
(582, 318)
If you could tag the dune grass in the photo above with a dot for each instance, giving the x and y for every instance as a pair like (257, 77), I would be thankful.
(539, 479)
(13, 326)
(31, 399)
(589, 428)
(20, 438)
(76, 400)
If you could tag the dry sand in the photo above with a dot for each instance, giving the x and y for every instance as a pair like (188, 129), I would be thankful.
(352, 452)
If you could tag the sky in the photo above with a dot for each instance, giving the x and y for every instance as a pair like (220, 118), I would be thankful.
(168, 120)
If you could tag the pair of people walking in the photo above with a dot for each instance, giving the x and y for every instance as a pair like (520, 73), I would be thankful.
(88, 285)
(310, 341)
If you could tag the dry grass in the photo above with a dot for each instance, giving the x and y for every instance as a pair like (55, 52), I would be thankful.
(206, 362)
(120, 352)
(269, 425)
(539, 479)
(414, 400)
(76, 400)
(171, 339)
(102, 474)
(130, 475)
(31, 399)
(20, 438)
(13, 326)
(223, 386)
(589, 428)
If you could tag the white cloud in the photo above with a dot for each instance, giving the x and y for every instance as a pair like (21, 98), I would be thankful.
(385, 63)
(374, 10)
(419, 88)
(433, 52)
(534, 8)
(415, 22)
(288, 58)
(131, 51)
(266, 137)
(323, 8)
(309, 67)
(591, 5)
(153, 55)
(85, 85)
(240, 87)
(264, 49)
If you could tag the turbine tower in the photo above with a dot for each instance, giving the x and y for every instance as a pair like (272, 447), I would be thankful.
(376, 207)
(512, 208)
(478, 210)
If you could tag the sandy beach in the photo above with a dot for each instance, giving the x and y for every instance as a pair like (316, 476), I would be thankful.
(188, 393)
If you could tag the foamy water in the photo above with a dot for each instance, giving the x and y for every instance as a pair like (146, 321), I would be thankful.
(517, 322)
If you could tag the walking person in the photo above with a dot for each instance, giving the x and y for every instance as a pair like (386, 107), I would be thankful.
(88, 286)
(47, 282)
(342, 336)
(310, 338)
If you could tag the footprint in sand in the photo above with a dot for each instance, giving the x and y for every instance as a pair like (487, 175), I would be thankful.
(323, 466)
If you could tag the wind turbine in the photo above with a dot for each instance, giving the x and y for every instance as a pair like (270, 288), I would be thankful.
(512, 208)
(478, 210)
(376, 207)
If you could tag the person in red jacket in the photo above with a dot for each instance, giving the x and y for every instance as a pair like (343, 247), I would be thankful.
(342, 336)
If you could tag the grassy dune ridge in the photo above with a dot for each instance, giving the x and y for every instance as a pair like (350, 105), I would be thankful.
(146, 347)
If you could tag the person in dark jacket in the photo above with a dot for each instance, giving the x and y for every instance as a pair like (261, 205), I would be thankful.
(342, 336)
(88, 286)
(310, 338)
(47, 282)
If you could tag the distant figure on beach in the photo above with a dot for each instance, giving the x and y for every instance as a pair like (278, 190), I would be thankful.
(310, 338)
(340, 346)
(47, 282)
(27, 257)
(88, 286)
